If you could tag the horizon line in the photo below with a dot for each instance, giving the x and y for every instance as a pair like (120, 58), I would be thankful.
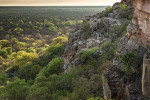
(48, 5)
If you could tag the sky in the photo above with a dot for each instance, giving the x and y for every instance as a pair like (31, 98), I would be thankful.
(56, 2)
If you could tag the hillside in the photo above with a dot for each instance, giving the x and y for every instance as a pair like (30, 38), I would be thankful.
(105, 57)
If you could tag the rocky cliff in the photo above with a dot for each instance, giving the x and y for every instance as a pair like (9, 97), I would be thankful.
(137, 39)
(134, 83)
(140, 29)
(94, 31)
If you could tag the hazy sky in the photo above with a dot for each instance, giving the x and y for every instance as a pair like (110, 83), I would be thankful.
(55, 2)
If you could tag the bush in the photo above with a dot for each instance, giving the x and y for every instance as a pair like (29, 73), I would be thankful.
(1, 28)
(123, 7)
(1, 59)
(50, 53)
(9, 50)
(53, 28)
(129, 61)
(87, 54)
(39, 91)
(20, 22)
(23, 58)
(16, 90)
(54, 67)
(14, 40)
(60, 40)
(108, 51)
(3, 53)
(3, 79)
(18, 30)
(86, 30)
(109, 9)
(123, 11)
(4, 43)
(55, 87)
(29, 71)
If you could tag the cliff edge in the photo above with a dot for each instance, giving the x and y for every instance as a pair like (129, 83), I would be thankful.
(135, 87)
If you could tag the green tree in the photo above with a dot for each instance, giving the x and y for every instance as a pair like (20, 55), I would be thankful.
(18, 30)
(15, 90)
(20, 22)
(24, 58)
(53, 28)
(29, 71)
(54, 67)
(1, 28)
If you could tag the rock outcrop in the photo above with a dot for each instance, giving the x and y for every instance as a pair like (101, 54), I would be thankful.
(140, 25)
(138, 38)
(94, 30)
(146, 76)
(139, 28)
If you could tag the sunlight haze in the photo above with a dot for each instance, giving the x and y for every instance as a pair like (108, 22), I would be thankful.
(56, 2)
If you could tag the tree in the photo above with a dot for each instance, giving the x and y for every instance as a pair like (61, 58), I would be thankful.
(29, 71)
(1, 28)
(53, 28)
(60, 40)
(54, 67)
(15, 90)
(18, 30)
(23, 58)
(20, 22)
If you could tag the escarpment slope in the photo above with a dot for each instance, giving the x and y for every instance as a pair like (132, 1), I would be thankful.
(135, 86)
(95, 30)
(128, 77)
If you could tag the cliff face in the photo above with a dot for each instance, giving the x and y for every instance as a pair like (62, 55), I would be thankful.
(141, 31)
(140, 26)
(138, 38)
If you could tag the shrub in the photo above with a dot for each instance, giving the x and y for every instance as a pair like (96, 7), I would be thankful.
(109, 9)
(68, 23)
(55, 87)
(3, 53)
(86, 30)
(54, 67)
(20, 22)
(123, 11)
(4, 43)
(123, 7)
(60, 40)
(53, 28)
(24, 58)
(15, 90)
(21, 44)
(29, 71)
(129, 60)
(18, 30)
(1, 59)
(50, 53)
(39, 91)
(1, 28)
(14, 40)
(87, 54)
(117, 30)
(3, 79)
(9, 50)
